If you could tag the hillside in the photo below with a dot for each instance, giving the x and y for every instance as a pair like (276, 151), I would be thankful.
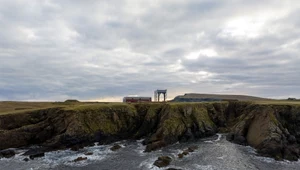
(194, 97)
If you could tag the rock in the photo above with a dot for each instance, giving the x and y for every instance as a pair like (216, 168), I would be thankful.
(192, 148)
(115, 147)
(35, 153)
(223, 130)
(230, 137)
(26, 159)
(272, 149)
(188, 135)
(155, 145)
(80, 159)
(188, 150)
(241, 140)
(7, 153)
(291, 153)
(236, 138)
(173, 169)
(292, 139)
(89, 153)
(180, 155)
(76, 147)
(162, 161)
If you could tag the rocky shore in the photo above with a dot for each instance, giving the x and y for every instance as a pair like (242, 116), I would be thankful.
(272, 129)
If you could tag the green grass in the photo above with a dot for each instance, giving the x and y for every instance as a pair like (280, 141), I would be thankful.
(277, 102)
(10, 107)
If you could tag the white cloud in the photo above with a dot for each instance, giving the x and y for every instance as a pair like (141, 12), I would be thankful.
(203, 52)
(243, 27)
(50, 50)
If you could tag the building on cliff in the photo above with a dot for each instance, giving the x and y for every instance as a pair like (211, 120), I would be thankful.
(136, 99)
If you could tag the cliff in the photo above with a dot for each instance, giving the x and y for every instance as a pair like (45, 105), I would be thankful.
(272, 129)
(195, 97)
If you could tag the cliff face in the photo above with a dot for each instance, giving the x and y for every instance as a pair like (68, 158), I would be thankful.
(273, 130)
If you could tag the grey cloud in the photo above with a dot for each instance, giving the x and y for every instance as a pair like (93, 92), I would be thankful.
(52, 50)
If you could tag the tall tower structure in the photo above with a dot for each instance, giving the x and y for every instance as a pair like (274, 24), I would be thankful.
(157, 94)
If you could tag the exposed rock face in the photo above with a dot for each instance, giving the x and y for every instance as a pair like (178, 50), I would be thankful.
(162, 161)
(187, 151)
(88, 153)
(265, 128)
(35, 153)
(26, 159)
(274, 130)
(7, 153)
(181, 123)
(80, 159)
(115, 147)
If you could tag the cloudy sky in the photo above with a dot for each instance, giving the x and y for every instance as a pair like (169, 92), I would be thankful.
(107, 49)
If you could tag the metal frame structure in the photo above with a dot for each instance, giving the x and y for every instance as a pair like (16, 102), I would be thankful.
(157, 94)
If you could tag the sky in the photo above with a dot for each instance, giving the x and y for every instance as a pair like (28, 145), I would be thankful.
(103, 50)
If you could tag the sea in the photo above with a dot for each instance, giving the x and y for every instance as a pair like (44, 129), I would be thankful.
(213, 153)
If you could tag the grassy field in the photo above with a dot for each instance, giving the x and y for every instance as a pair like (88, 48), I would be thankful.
(8, 107)
(278, 102)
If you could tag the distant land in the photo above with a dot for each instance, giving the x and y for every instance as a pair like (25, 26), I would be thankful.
(190, 97)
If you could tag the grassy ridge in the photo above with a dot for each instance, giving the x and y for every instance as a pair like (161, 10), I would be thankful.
(9, 107)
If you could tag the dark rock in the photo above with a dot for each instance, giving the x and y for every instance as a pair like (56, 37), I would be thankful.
(26, 159)
(77, 147)
(162, 161)
(115, 147)
(180, 155)
(271, 149)
(192, 148)
(155, 145)
(80, 159)
(230, 137)
(185, 152)
(236, 138)
(291, 153)
(89, 153)
(37, 155)
(188, 135)
(240, 140)
(292, 139)
(173, 169)
(7, 153)
(223, 130)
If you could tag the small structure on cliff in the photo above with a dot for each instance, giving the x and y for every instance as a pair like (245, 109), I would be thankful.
(136, 99)
(157, 94)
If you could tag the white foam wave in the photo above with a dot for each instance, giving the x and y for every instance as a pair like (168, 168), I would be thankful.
(213, 141)
(219, 137)
(148, 164)
(221, 157)
(203, 167)
(140, 149)
(140, 141)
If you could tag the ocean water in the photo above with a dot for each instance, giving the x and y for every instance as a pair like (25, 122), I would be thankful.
(213, 153)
